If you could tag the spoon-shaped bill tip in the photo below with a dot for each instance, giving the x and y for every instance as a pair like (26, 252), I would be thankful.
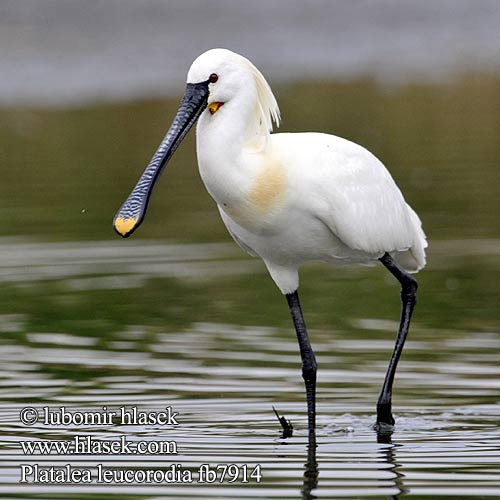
(133, 211)
(124, 227)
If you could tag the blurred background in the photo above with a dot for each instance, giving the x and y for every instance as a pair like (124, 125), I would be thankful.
(87, 91)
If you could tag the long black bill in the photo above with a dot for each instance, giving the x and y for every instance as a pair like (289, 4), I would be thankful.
(132, 212)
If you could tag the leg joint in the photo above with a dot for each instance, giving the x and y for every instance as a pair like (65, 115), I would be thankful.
(309, 371)
(411, 282)
(409, 287)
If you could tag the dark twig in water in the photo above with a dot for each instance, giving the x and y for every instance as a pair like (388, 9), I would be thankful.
(285, 424)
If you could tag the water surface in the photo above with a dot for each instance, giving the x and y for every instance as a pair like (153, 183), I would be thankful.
(179, 317)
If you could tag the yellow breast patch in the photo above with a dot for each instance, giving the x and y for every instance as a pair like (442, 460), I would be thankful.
(268, 187)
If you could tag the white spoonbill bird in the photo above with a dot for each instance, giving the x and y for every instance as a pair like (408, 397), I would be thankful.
(288, 198)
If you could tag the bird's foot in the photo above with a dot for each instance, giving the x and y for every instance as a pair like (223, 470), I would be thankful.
(385, 420)
(286, 425)
(384, 431)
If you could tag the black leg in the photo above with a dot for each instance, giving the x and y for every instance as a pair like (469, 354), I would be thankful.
(309, 365)
(409, 287)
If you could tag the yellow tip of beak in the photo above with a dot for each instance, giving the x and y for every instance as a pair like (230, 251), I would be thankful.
(124, 226)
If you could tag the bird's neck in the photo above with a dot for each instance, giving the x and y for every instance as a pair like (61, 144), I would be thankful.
(234, 126)
(229, 146)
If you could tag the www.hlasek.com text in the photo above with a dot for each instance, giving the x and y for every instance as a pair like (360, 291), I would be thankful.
(86, 445)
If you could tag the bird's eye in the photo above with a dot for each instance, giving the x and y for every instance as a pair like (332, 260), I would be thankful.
(213, 78)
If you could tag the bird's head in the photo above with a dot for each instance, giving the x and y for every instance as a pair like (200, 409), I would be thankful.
(225, 74)
(232, 77)
(216, 78)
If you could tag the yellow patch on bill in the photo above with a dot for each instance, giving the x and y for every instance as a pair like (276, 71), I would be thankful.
(124, 226)
(269, 186)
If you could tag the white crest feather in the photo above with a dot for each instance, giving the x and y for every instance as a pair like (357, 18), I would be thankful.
(266, 110)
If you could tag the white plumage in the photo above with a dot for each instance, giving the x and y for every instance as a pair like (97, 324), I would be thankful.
(292, 198)
(289, 198)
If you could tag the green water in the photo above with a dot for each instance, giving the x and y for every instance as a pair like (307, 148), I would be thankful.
(65, 173)
(179, 314)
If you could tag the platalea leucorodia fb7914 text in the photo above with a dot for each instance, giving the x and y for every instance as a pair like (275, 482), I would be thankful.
(288, 198)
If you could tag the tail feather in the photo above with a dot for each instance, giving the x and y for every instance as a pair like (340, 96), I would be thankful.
(413, 259)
